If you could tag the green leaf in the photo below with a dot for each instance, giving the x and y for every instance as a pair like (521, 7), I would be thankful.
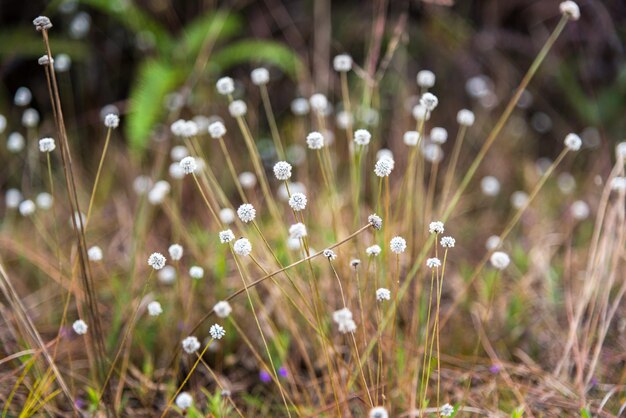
(584, 413)
(31, 44)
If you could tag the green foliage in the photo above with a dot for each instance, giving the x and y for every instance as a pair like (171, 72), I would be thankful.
(584, 413)
(31, 45)
(517, 413)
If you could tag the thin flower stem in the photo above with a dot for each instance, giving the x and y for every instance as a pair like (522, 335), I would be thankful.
(267, 104)
(206, 201)
(231, 169)
(97, 180)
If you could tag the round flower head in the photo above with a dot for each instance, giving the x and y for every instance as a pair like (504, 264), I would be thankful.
(438, 135)
(27, 207)
(492, 242)
(44, 201)
(15, 142)
(500, 260)
(344, 119)
(446, 410)
(411, 138)
(373, 250)
(260, 76)
(30, 118)
(429, 101)
(237, 108)
(282, 170)
(465, 117)
(176, 171)
(432, 263)
(397, 245)
(226, 236)
(225, 86)
(348, 326)
(246, 212)
(80, 327)
(167, 275)
(300, 106)
(362, 137)
(426, 79)
(378, 412)
(579, 210)
(375, 221)
(196, 272)
(184, 401)
(242, 247)
(319, 103)
(95, 253)
(330, 254)
(156, 261)
(46, 145)
(191, 344)
(519, 199)
(62, 63)
(617, 183)
(247, 180)
(227, 216)
(42, 23)
(13, 197)
(383, 294)
(490, 185)
(342, 63)
(385, 153)
(573, 142)
(178, 127)
(355, 263)
(222, 309)
(217, 332)
(432, 153)
(111, 121)
(188, 164)
(315, 140)
(176, 251)
(298, 201)
(178, 153)
(436, 227)
(297, 231)
(447, 242)
(570, 9)
(343, 318)
(154, 308)
(159, 192)
(23, 96)
(383, 167)
(217, 130)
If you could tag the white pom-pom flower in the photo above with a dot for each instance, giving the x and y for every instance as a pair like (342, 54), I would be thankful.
(246, 212)
(225, 86)
(247, 180)
(438, 135)
(46, 145)
(436, 227)
(397, 245)
(191, 344)
(42, 23)
(570, 9)
(196, 272)
(111, 121)
(80, 327)
(500, 260)
(362, 137)
(222, 309)
(573, 142)
(446, 410)
(315, 140)
(217, 332)
(282, 170)
(188, 164)
(426, 79)
(226, 236)
(15, 142)
(217, 130)
(227, 216)
(44, 200)
(297, 231)
(184, 401)
(95, 253)
(156, 261)
(373, 250)
(580, 210)
(420, 113)
(329, 254)
(378, 412)
(429, 101)
(237, 108)
(300, 106)
(319, 103)
(154, 308)
(383, 294)
(383, 167)
(242, 247)
(342, 63)
(465, 117)
(298, 201)
(27, 208)
(260, 76)
(167, 275)
(447, 242)
(375, 221)
(490, 186)
(176, 251)
(432, 263)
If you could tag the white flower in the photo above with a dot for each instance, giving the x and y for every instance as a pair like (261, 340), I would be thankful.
(431, 263)
(191, 344)
(373, 250)
(237, 108)
(500, 260)
(80, 327)
(95, 253)
(156, 261)
(27, 208)
(246, 212)
(300, 106)
(617, 183)
(217, 130)
(282, 170)
(385, 153)
(46, 145)
(383, 167)
(188, 164)
(397, 245)
(465, 117)
(432, 153)
(490, 185)
(580, 210)
(179, 152)
(570, 9)
(298, 201)
(176, 171)
(217, 332)
(158, 192)
(344, 119)
(295, 187)
(184, 400)
(178, 127)
(142, 184)
(319, 103)
(227, 216)
(226, 236)
(426, 79)
(315, 140)
(297, 230)
(519, 199)
(383, 294)
(167, 275)
(330, 254)
(420, 113)
(435, 227)
(42, 23)
(176, 251)
(260, 76)
(225, 86)
(447, 242)
(375, 221)
(429, 101)
(446, 410)
(492, 242)
(378, 412)
(354, 263)
(111, 121)
(154, 308)
(15, 142)
(247, 180)
(13, 197)
(62, 63)
(573, 142)
(30, 118)
(342, 63)
(343, 318)
(242, 247)
(348, 326)
(196, 272)
(438, 135)
(22, 97)
(362, 137)
(44, 200)
(222, 309)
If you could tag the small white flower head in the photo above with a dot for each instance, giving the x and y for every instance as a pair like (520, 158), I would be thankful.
(375, 221)
(298, 201)
(343, 318)
(178, 127)
(397, 245)
(167, 275)
(344, 120)
(446, 410)
(217, 332)
(191, 344)
(383, 294)
(411, 138)
(237, 108)
(383, 167)
(573, 142)
(490, 186)
(22, 97)
(315, 140)
(247, 180)
(222, 309)
(618, 183)
(362, 137)
(159, 192)
(176, 171)
(111, 121)
(242, 247)
(15, 142)
(227, 216)
(300, 106)
(46, 145)
(260, 76)
(570, 9)
(226, 236)
(330, 254)
(176, 251)
(95, 253)
(420, 113)
(342, 63)
(42, 23)
(184, 401)
(44, 200)
(347, 327)
(27, 208)
(378, 412)
(519, 199)
(297, 231)
(225, 86)
(154, 308)
(178, 152)
(500, 260)
(188, 164)
(432, 263)
(293, 244)
(447, 242)
(492, 243)
(426, 79)
(80, 327)
(355, 263)
(246, 213)
(156, 261)
(142, 184)
(439, 135)
(282, 170)
(436, 227)
(319, 103)
(217, 130)
(433, 153)
(13, 197)
(579, 210)
(30, 118)
(429, 101)
(465, 117)
(196, 272)
(62, 63)
(189, 129)
(385, 153)
(373, 250)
